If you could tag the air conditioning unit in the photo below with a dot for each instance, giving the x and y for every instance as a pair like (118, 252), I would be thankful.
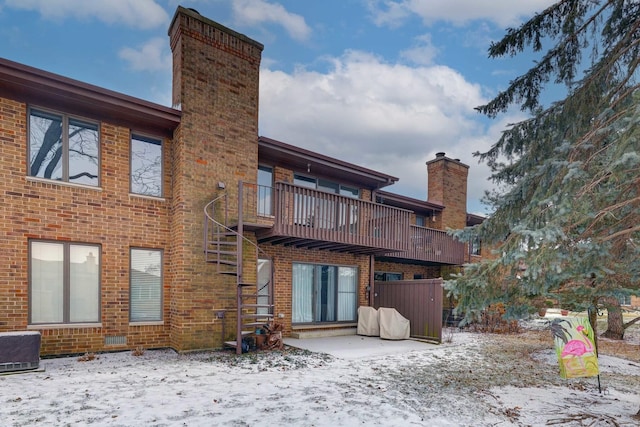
(19, 351)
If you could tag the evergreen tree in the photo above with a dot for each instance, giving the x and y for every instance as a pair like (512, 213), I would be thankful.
(566, 221)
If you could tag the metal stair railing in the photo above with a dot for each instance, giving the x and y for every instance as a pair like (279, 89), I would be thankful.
(214, 228)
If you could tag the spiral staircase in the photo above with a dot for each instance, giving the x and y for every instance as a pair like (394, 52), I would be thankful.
(226, 246)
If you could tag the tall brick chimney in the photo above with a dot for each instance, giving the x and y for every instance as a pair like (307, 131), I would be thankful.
(447, 185)
(215, 84)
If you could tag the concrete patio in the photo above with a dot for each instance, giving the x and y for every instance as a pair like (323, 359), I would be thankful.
(358, 346)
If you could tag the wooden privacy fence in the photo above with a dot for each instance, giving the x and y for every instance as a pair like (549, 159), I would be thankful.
(420, 301)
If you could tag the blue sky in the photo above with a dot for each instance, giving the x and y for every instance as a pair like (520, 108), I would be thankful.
(384, 84)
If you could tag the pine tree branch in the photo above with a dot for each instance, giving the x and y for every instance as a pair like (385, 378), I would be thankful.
(527, 87)
(621, 233)
(630, 323)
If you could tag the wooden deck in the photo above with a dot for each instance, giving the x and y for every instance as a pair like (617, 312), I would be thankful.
(292, 215)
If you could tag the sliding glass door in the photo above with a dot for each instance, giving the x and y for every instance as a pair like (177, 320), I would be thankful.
(323, 293)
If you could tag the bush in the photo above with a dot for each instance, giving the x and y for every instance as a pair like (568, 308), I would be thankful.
(492, 320)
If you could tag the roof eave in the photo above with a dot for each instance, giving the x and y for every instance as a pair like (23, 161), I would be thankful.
(39, 87)
(409, 202)
(274, 149)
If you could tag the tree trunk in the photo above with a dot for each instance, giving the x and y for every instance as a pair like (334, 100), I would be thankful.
(615, 324)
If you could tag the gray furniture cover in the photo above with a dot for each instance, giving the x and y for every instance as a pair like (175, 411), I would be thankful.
(393, 326)
(368, 322)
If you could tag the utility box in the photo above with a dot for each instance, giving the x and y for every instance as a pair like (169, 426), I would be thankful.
(19, 351)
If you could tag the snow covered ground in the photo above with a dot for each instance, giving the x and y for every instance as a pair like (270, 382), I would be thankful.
(475, 380)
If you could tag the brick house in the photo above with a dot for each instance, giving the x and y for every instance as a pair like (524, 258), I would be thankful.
(121, 218)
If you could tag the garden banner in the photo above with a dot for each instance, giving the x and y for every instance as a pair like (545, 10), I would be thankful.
(574, 342)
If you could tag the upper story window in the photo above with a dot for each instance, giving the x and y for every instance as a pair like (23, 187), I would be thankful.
(63, 148)
(323, 212)
(146, 166)
(420, 221)
(325, 185)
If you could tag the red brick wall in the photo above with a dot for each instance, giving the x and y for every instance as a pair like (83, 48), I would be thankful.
(408, 270)
(109, 216)
(447, 185)
(216, 73)
(285, 256)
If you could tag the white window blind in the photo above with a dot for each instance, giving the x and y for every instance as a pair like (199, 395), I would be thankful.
(146, 285)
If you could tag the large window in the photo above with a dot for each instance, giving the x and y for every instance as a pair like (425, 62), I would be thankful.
(64, 283)
(324, 293)
(325, 213)
(145, 294)
(63, 148)
(146, 166)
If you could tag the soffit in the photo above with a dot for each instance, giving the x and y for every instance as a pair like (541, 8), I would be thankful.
(276, 153)
(409, 203)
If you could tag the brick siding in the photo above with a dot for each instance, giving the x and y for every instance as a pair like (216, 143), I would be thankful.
(215, 84)
(216, 73)
(108, 216)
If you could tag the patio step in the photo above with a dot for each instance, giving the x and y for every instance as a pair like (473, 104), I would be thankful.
(323, 333)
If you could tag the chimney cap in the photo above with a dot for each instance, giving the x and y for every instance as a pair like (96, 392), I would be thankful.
(440, 154)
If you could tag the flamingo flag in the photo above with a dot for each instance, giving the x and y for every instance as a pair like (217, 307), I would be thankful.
(574, 343)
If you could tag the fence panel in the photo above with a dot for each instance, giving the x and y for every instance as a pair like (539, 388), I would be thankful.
(420, 301)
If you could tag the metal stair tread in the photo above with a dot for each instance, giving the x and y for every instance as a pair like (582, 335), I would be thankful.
(224, 247)
(225, 261)
(220, 242)
(253, 324)
(229, 254)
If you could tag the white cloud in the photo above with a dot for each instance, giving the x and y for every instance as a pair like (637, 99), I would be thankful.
(389, 117)
(154, 55)
(143, 14)
(502, 12)
(422, 53)
(254, 12)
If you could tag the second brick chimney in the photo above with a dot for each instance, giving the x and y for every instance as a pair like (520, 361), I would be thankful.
(447, 185)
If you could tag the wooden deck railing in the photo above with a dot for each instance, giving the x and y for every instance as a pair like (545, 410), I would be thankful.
(428, 244)
(312, 214)
(308, 214)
